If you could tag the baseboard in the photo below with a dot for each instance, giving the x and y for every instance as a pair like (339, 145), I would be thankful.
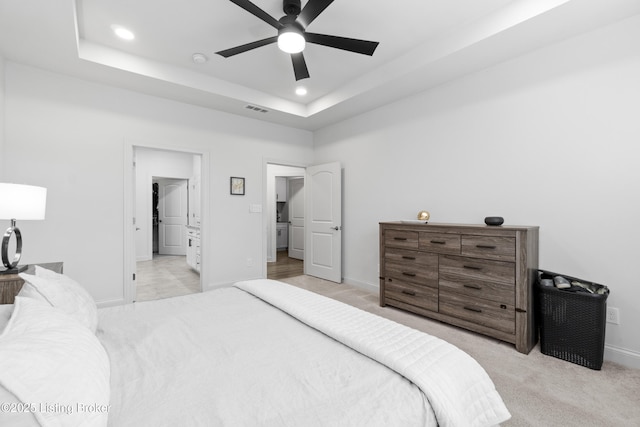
(628, 358)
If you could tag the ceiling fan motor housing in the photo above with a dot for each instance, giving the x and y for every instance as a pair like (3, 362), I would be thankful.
(291, 7)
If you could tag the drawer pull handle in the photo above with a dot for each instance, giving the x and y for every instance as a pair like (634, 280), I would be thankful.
(408, 257)
(399, 238)
(485, 247)
(476, 287)
(475, 310)
(471, 267)
(409, 274)
(438, 242)
(413, 294)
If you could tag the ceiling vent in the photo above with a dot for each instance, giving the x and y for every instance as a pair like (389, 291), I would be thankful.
(254, 108)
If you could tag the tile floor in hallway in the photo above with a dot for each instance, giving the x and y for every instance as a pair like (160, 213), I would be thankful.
(165, 276)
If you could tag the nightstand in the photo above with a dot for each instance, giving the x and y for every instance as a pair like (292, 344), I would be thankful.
(10, 284)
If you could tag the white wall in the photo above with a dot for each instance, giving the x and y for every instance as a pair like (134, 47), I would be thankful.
(155, 163)
(70, 136)
(548, 139)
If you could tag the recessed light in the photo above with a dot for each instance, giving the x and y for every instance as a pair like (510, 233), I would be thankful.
(199, 58)
(122, 32)
(301, 91)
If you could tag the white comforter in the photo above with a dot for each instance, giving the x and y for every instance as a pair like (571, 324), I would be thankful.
(457, 387)
(225, 358)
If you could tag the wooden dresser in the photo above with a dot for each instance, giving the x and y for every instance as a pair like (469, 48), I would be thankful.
(10, 284)
(476, 277)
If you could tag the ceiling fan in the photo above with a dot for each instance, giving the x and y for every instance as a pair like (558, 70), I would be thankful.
(292, 34)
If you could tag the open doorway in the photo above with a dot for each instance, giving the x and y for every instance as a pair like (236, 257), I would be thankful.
(167, 234)
(322, 214)
(285, 228)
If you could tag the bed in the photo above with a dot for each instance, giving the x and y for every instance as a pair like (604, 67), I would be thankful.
(259, 353)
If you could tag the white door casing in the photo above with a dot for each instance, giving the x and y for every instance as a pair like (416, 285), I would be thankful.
(130, 159)
(172, 214)
(296, 218)
(323, 222)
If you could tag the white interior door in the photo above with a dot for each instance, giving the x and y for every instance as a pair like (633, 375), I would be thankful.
(172, 214)
(296, 218)
(323, 222)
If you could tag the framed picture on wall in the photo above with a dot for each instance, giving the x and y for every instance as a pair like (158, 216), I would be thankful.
(237, 186)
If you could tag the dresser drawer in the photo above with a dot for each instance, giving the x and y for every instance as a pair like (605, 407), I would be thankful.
(499, 316)
(493, 291)
(412, 272)
(403, 256)
(440, 243)
(489, 247)
(480, 269)
(419, 296)
(401, 239)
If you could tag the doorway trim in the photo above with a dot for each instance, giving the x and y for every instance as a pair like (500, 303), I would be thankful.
(266, 161)
(129, 253)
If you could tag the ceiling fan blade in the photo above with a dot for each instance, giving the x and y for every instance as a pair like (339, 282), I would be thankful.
(256, 11)
(364, 47)
(299, 66)
(311, 11)
(245, 47)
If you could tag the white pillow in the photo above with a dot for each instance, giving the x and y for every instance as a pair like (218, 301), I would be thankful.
(62, 292)
(57, 366)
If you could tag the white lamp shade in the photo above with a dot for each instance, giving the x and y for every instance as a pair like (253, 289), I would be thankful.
(23, 202)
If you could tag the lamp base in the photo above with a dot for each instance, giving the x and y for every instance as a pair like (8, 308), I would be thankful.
(15, 270)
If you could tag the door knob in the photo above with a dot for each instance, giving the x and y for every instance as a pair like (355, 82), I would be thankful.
(334, 228)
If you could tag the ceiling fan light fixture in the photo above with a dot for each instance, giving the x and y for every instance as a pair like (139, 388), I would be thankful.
(291, 40)
(292, 35)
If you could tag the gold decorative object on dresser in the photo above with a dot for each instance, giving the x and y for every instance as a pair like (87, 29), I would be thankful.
(477, 277)
(10, 284)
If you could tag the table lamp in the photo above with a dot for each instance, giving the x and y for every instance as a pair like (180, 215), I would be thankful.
(23, 202)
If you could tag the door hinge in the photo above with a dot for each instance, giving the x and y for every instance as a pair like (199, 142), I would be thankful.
(134, 276)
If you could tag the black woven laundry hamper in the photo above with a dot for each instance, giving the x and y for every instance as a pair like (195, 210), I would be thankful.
(572, 324)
